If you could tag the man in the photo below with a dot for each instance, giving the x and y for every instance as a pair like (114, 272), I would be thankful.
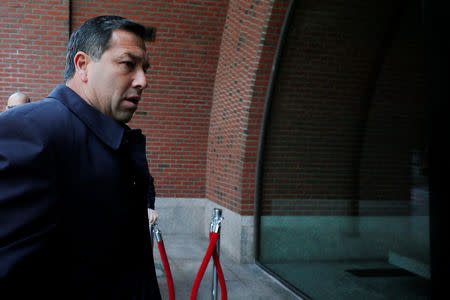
(16, 99)
(74, 180)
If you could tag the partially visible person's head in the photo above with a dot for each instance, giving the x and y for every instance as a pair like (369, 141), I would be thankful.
(17, 99)
(106, 63)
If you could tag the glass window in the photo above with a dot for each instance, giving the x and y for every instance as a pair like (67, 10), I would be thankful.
(344, 208)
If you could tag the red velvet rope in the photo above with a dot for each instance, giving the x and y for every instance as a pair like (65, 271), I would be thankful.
(211, 251)
(223, 287)
(165, 261)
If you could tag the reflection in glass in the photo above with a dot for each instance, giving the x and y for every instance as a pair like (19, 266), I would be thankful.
(344, 208)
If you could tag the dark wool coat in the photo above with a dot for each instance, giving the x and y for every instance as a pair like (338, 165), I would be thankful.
(74, 189)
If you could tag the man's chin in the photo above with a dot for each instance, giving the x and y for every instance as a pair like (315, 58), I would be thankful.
(124, 118)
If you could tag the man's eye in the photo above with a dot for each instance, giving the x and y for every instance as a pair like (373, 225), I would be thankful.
(129, 64)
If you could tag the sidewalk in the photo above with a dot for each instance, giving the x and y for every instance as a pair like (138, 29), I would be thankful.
(244, 281)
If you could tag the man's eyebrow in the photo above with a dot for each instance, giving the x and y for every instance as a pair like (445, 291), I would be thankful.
(135, 58)
(129, 55)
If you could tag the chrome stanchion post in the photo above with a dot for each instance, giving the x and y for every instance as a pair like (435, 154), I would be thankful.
(151, 234)
(216, 222)
(156, 232)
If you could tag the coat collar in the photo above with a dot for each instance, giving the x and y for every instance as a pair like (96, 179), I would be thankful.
(106, 129)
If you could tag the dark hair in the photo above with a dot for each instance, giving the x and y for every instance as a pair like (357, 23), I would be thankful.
(93, 38)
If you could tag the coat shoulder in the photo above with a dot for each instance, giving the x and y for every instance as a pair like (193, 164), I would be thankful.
(47, 122)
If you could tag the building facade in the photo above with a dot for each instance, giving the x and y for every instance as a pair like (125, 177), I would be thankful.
(300, 117)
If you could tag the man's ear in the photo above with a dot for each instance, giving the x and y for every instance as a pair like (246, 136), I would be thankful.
(81, 60)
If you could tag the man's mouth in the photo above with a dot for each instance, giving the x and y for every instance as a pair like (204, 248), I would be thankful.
(134, 100)
(130, 103)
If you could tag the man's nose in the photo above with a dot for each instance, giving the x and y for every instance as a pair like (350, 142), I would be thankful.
(140, 80)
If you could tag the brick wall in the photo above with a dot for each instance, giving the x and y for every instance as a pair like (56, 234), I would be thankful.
(238, 102)
(175, 112)
(348, 111)
(210, 67)
(33, 39)
(176, 108)
(258, 101)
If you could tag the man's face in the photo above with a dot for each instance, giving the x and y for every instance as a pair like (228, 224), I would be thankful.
(116, 81)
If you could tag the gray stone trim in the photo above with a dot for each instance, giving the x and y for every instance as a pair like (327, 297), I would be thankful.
(192, 216)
